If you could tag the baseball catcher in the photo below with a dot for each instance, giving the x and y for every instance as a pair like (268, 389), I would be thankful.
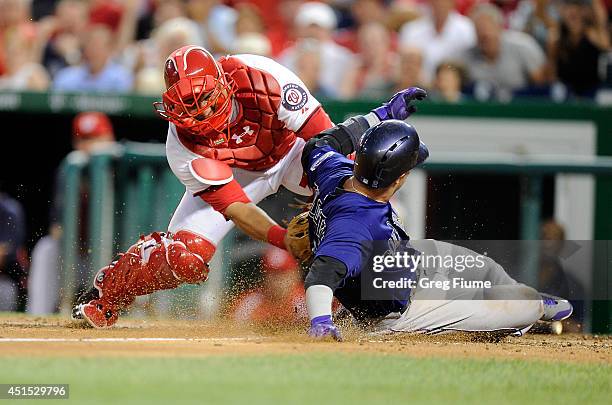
(351, 215)
(237, 129)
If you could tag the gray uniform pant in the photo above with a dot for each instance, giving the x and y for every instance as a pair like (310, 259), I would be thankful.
(507, 306)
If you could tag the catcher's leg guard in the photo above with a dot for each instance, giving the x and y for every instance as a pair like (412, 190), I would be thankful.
(188, 255)
(156, 262)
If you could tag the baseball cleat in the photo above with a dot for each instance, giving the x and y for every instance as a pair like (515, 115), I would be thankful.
(97, 314)
(83, 298)
(76, 314)
(94, 311)
(555, 308)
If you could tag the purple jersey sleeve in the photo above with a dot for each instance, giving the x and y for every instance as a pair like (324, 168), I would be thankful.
(326, 166)
(344, 240)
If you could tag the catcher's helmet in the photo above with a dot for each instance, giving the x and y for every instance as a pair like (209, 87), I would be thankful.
(198, 92)
(386, 151)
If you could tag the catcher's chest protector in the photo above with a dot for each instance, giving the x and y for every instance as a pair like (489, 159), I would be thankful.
(257, 138)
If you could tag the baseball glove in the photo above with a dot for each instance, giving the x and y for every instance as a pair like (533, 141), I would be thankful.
(298, 240)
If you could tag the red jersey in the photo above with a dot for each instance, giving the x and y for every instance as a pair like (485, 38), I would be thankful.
(271, 106)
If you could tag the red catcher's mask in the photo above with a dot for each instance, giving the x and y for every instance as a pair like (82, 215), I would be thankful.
(199, 94)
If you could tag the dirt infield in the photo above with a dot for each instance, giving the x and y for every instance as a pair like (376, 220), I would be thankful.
(33, 336)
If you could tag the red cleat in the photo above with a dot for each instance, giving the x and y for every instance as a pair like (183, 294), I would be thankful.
(97, 314)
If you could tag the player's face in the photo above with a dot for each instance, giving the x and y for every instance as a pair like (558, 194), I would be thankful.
(199, 112)
(204, 109)
(198, 103)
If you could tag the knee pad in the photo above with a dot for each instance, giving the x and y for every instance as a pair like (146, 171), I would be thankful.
(188, 255)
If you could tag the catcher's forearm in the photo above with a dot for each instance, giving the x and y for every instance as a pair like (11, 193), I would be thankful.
(252, 220)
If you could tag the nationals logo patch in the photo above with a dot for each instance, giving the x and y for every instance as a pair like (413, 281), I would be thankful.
(294, 97)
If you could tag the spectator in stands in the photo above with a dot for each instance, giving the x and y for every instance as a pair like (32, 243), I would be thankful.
(410, 71)
(441, 34)
(374, 75)
(98, 72)
(42, 8)
(402, 12)
(363, 12)
(280, 301)
(107, 12)
(279, 22)
(368, 11)
(168, 23)
(217, 24)
(250, 31)
(535, 17)
(12, 253)
(270, 11)
(507, 8)
(503, 61)
(254, 43)
(120, 16)
(318, 21)
(167, 10)
(61, 33)
(91, 131)
(248, 20)
(308, 67)
(448, 83)
(22, 70)
(152, 53)
(14, 20)
(577, 44)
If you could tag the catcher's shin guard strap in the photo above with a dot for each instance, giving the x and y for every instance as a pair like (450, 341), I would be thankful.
(276, 236)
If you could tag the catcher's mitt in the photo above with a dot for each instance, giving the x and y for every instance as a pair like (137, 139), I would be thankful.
(298, 240)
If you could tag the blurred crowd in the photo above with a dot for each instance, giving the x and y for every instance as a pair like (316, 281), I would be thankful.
(342, 49)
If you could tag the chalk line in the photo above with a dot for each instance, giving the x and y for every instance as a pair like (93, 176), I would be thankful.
(128, 339)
